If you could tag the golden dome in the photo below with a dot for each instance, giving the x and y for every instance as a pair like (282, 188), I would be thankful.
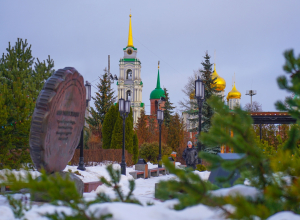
(220, 82)
(234, 94)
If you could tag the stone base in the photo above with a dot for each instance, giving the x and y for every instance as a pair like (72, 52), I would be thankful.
(90, 186)
(38, 197)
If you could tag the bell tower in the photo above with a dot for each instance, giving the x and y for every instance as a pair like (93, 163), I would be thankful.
(130, 83)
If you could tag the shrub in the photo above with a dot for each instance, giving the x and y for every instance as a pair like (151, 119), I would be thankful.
(149, 151)
(201, 167)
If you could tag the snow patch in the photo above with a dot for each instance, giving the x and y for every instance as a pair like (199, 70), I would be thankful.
(37, 212)
(6, 213)
(125, 211)
(286, 215)
(243, 190)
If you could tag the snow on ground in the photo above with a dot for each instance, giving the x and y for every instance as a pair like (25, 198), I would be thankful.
(144, 192)
(144, 188)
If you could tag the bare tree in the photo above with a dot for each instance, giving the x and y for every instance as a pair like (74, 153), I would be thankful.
(256, 107)
(189, 88)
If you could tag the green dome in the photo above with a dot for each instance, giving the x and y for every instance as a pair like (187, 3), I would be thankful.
(157, 92)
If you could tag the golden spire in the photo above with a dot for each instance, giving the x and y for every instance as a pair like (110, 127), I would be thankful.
(130, 41)
(220, 82)
(158, 64)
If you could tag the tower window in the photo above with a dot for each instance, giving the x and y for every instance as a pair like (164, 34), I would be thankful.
(128, 95)
(129, 74)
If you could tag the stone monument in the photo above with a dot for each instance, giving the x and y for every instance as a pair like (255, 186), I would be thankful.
(57, 121)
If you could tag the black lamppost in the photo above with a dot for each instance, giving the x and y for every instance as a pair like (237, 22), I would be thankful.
(160, 119)
(124, 109)
(199, 94)
(88, 98)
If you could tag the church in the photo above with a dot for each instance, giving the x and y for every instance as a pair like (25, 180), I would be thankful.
(130, 84)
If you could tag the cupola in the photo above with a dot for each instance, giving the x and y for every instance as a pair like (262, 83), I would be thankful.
(220, 83)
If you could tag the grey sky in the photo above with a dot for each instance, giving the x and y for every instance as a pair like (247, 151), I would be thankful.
(249, 38)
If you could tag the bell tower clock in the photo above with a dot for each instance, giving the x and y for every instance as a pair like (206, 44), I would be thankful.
(130, 84)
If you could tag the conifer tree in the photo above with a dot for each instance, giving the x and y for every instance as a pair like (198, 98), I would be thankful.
(108, 125)
(117, 136)
(141, 128)
(207, 111)
(15, 121)
(103, 101)
(168, 109)
(20, 84)
(210, 90)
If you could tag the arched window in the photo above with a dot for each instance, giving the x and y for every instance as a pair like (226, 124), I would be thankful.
(128, 95)
(129, 74)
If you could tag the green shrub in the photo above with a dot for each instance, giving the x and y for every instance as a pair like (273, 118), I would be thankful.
(201, 167)
(149, 151)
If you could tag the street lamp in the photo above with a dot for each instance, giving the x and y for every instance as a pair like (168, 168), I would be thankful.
(124, 109)
(88, 98)
(200, 95)
(160, 119)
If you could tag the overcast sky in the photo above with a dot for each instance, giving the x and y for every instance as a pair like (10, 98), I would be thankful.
(249, 38)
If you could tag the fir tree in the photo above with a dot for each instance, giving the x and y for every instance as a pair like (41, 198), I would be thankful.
(207, 110)
(18, 63)
(117, 136)
(20, 84)
(108, 125)
(168, 109)
(103, 101)
(15, 122)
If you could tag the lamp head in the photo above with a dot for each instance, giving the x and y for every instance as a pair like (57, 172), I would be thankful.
(88, 91)
(199, 88)
(127, 106)
(121, 105)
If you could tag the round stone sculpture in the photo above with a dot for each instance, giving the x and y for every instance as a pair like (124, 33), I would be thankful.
(57, 120)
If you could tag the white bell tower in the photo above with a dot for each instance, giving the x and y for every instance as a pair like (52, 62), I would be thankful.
(130, 83)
